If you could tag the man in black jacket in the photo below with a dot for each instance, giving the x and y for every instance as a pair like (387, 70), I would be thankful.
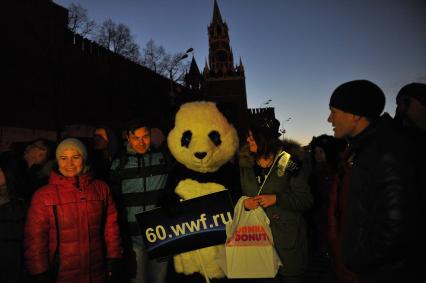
(375, 213)
(410, 119)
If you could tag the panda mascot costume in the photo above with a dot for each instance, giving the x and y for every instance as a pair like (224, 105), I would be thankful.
(204, 143)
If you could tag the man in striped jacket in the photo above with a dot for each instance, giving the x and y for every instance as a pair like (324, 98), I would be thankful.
(138, 180)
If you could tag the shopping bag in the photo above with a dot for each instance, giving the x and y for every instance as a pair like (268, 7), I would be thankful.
(249, 248)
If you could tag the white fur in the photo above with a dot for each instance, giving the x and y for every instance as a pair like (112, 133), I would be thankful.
(188, 189)
(201, 118)
(202, 259)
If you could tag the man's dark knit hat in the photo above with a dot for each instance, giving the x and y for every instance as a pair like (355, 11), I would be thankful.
(416, 90)
(359, 97)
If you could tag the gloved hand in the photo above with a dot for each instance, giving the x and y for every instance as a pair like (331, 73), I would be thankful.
(113, 269)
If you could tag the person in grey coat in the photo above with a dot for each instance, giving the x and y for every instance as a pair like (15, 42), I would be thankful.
(271, 176)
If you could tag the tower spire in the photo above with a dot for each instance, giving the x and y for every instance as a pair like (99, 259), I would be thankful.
(217, 18)
(193, 79)
(221, 59)
(223, 81)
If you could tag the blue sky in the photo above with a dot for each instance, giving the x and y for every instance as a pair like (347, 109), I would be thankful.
(295, 52)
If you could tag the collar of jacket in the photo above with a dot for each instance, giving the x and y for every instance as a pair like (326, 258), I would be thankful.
(246, 158)
(78, 181)
(381, 127)
(132, 152)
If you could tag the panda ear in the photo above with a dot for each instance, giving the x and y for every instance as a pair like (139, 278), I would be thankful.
(227, 109)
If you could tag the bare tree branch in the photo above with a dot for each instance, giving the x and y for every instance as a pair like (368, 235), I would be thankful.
(79, 22)
(169, 65)
(118, 39)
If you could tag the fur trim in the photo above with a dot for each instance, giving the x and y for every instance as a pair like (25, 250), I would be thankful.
(294, 148)
(246, 158)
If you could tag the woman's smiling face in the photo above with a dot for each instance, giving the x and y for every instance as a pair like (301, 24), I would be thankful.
(70, 163)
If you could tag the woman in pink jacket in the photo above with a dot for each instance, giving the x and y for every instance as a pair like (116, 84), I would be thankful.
(72, 223)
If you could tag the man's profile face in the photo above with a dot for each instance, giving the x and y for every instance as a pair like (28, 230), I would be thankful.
(100, 138)
(36, 152)
(344, 124)
(140, 140)
(402, 105)
(410, 109)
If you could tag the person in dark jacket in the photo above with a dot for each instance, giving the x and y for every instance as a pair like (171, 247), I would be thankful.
(410, 119)
(30, 167)
(372, 214)
(75, 217)
(105, 149)
(271, 177)
(326, 153)
(12, 220)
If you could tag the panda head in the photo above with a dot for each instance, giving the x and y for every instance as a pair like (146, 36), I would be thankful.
(202, 138)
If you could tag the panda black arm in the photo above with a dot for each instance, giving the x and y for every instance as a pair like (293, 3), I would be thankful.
(231, 181)
(170, 200)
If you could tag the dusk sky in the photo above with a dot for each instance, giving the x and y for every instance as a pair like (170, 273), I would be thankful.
(295, 52)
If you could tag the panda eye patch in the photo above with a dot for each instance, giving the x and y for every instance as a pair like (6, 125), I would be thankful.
(186, 138)
(215, 137)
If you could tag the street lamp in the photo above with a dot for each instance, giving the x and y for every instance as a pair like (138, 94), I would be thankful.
(283, 130)
(172, 67)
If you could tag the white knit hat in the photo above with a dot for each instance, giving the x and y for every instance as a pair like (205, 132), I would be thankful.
(72, 143)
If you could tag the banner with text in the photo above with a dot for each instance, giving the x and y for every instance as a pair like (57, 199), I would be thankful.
(201, 222)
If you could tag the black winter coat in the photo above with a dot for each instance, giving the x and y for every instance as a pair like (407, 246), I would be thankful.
(379, 219)
(12, 221)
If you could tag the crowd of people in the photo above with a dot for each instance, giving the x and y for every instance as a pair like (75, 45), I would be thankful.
(355, 199)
